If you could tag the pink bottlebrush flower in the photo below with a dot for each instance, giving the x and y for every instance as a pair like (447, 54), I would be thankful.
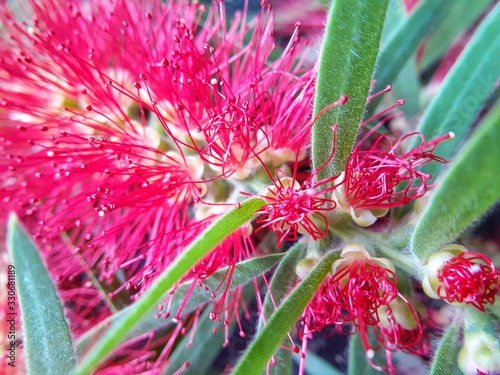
(459, 276)
(241, 106)
(123, 122)
(358, 287)
(372, 177)
(294, 207)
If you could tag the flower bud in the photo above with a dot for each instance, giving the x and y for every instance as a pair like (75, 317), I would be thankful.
(461, 277)
(480, 354)
(304, 267)
(398, 312)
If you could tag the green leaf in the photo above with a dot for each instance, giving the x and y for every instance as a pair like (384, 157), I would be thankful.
(406, 84)
(346, 66)
(201, 355)
(47, 341)
(358, 364)
(317, 365)
(244, 272)
(465, 90)
(205, 242)
(469, 188)
(446, 353)
(461, 15)
(405, 41)
(283, 281)
(268, 340)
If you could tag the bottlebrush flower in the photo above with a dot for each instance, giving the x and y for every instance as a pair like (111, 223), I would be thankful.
(361, 290)
(323, 310)
(372, 180)
(459, 277)
(123, 121)
(294, 207)
(365, 284)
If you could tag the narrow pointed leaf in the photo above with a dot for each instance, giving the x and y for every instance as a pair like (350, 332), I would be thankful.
(406, 84)
(205, 242)
(317, 365)
(244, 272)
(446, 353)
(268, 340)
(460, 16)
(468, 189)
(200, 356)
(48, 347)
(348, 55)
(465, 90)
(405, 40)
(283, 280)
(358, 364)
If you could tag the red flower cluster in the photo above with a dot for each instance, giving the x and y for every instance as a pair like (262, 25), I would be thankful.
(362, 291)
(124, 123)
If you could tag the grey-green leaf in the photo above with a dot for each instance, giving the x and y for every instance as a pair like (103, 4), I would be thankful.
(465, 90)
(468, 189)
(406, 84)
(244, 272)
(268, 340)
(347, 61)
(207, 344)
(283, 280)
(446, 353)
(405, 40)
(461, 14)
(48, 346)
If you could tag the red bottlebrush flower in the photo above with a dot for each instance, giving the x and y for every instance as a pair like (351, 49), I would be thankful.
(460, 276)
(469, 277)
(365, 283)
(371, 177)
(362, 291)
(240, 105)
(293, 208)
(111, 113)
(359, 286)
